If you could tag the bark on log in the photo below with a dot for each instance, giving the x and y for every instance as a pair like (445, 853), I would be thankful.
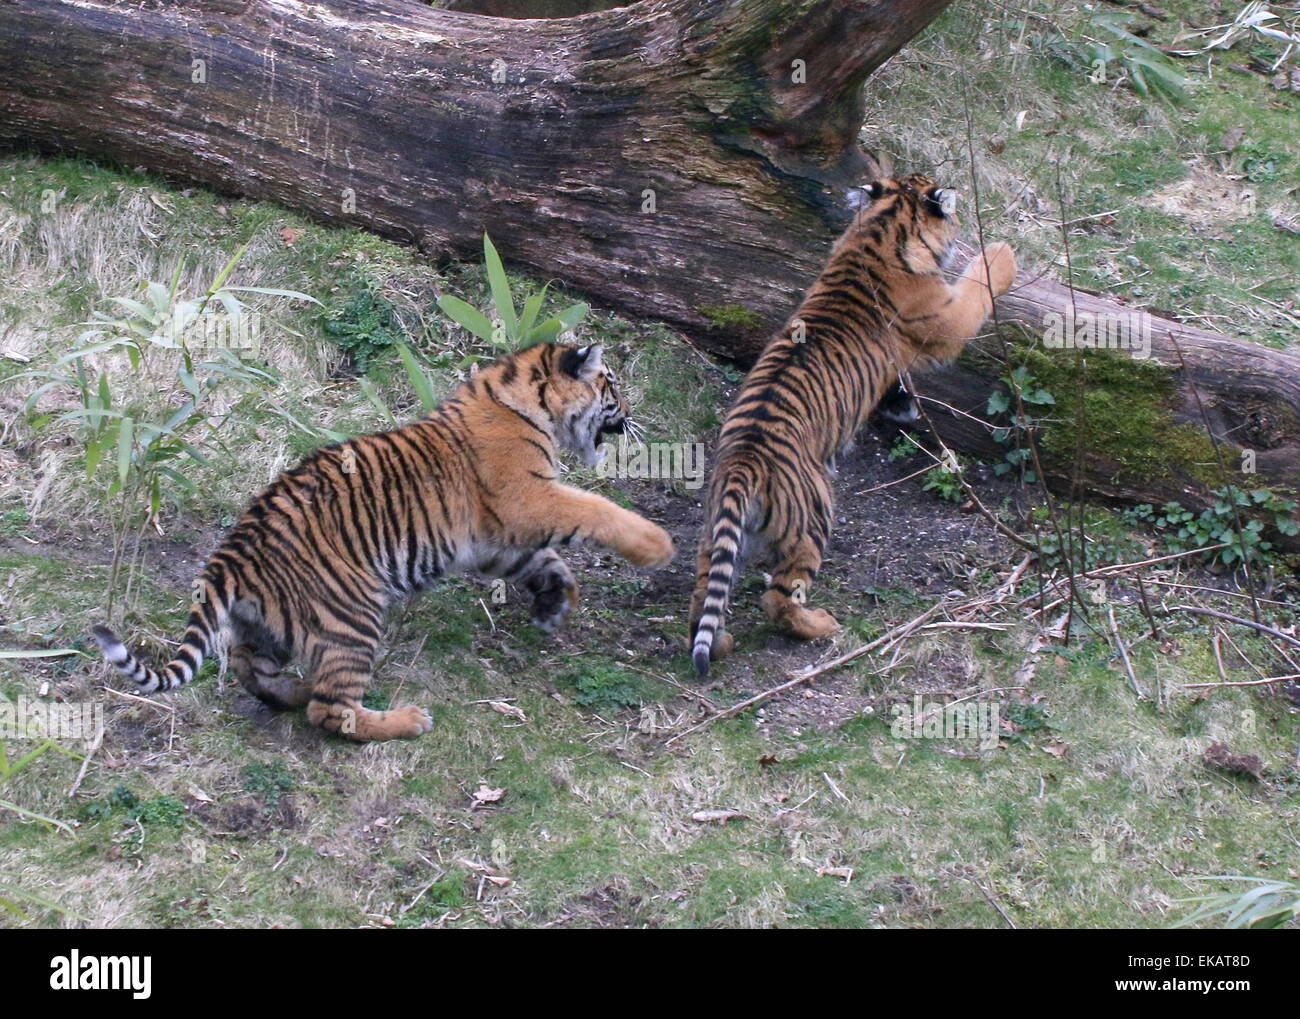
(661, 156)
(671, 158)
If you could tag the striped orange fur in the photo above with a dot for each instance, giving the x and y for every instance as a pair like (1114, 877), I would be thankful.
(881, 306)
(311, 566)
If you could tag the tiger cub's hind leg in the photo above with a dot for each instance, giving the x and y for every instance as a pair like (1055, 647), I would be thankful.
(339, 675)
(260, 673)
(797, 562)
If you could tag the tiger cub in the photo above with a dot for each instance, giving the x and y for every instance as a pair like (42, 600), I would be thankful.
(880, 306)
(310, 567)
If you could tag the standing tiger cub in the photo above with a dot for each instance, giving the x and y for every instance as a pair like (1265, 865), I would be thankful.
(309, 569)
(881, 306)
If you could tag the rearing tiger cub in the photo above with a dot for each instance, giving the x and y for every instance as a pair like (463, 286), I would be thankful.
(880, 306)
(309, 569)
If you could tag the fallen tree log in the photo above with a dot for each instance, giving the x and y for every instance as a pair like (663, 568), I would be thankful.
(680, 159)
(1151, 415)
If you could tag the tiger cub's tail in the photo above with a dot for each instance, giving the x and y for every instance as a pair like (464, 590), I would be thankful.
(734, 508)
(208, 614)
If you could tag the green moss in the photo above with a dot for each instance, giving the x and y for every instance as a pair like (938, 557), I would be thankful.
(1125, 409)
(731, 318)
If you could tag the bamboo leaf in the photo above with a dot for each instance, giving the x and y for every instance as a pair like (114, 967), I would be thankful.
(573, 314)
(24, 812)
(376, 400)
(419, 381)
(532, 307)
(501, 296)
(125, 439)
(466, 316)
(296, 295)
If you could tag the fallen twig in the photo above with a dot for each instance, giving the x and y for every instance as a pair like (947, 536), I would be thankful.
(1123, 652)
(1261, 627)
(142, 700)
(808, 674)
(1244, 682)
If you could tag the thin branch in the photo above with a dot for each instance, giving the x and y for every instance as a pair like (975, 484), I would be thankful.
(1245, 682)
(1261, 627)
(1123, 652)
(811, 673)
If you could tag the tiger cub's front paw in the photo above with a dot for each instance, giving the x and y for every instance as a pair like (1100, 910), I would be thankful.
(651, 546)
(555, 600)
(1001, 267)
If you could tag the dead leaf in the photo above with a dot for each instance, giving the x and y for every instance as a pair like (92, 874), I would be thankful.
(1219, 756)
(717, 816)
(508, 709)
(1057, 749)
(1287, 224)
(484, 794)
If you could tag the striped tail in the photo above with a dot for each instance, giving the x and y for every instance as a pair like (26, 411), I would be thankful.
(728, 540)
(206, 618)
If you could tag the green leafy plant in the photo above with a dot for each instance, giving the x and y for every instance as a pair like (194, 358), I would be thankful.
(509, 328)
(604, 688)
(1016, 407)
(142, 438)
(1107, 46)
(268, 781)
(902, 448)
(1183, 530)
(944, 481)
(166, 811)
(1026, 721)
(1265, 903)
(365, 328)
(1263, 166)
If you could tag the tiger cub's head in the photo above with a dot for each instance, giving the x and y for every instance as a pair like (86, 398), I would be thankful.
(584, 401)
(911, 218)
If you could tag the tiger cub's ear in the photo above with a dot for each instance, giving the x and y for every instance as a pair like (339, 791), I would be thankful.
(943, 201)
(582, 363)
(859, 198)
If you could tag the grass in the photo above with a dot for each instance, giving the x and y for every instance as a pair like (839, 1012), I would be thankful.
(1093, 809)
